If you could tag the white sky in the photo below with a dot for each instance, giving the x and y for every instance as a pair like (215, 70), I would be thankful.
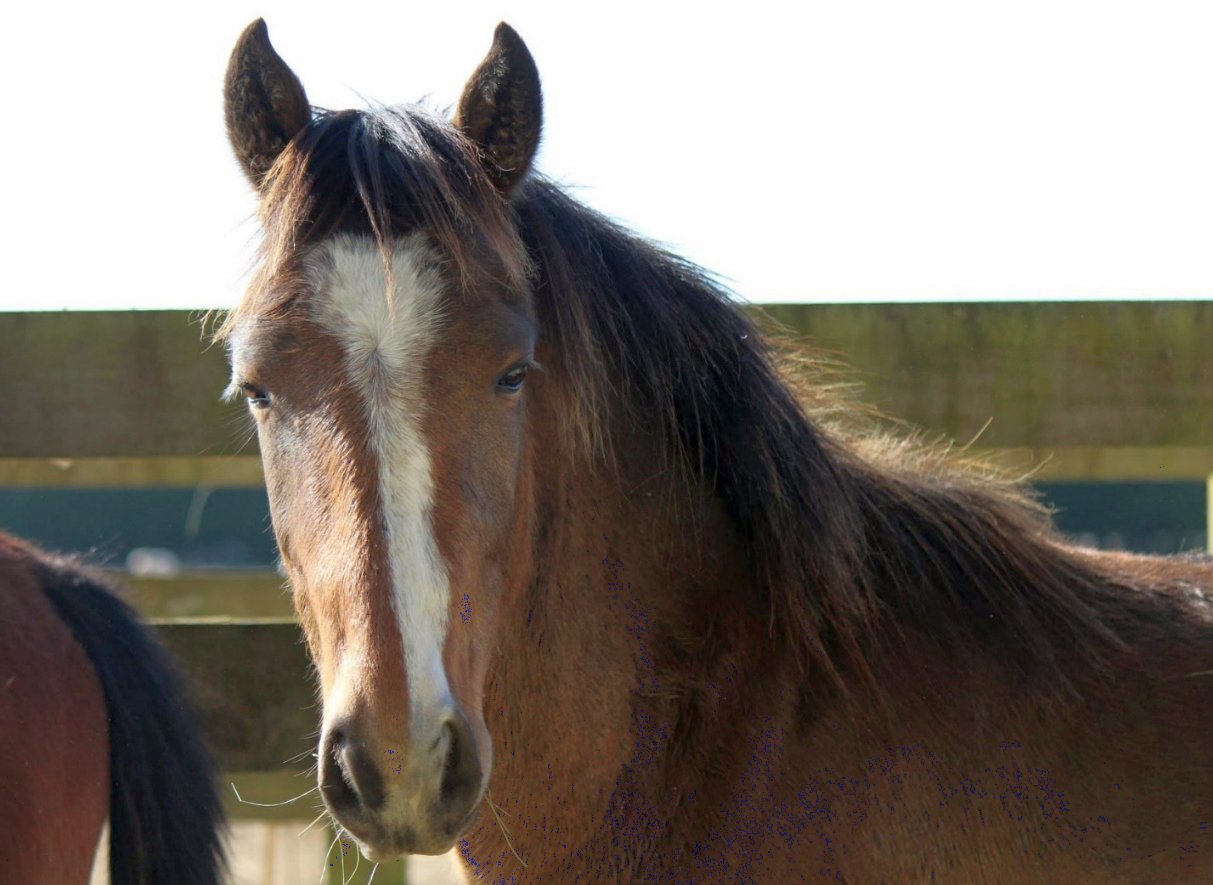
(804, 151)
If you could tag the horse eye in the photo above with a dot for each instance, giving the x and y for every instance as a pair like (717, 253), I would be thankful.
(258, 397)
(511, 381)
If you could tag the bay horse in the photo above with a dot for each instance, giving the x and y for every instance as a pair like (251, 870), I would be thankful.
(596, 592)
(94, 726)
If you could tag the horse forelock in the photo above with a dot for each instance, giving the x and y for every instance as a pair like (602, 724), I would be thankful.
(385, 173)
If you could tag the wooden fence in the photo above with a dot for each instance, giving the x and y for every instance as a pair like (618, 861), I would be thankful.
(1094, 391)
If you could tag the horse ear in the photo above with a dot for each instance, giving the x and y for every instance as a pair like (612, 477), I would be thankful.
(502, 109)
(264, 103)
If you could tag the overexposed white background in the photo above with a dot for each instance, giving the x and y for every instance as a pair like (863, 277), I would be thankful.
(872, 150)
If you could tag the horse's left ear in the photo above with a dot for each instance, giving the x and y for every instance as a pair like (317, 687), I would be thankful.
(502, 109)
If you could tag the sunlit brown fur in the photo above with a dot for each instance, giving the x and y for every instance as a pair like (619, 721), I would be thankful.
(327, 519)
(483, 529)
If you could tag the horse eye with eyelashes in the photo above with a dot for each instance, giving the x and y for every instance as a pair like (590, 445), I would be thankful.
(258, 397)
(511, 381)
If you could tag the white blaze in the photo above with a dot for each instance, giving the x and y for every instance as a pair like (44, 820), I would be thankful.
(387, 336)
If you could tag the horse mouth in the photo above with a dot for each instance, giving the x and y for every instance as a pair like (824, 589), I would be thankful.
(381, 844)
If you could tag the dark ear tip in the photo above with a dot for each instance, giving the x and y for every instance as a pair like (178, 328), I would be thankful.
(257, 30)
(506, 37)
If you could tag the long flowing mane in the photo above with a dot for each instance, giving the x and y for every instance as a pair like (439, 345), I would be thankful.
(852, 541)
(847, 545)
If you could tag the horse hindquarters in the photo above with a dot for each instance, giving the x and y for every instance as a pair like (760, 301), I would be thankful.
(103, 687)
(54, 768)
(166, 821)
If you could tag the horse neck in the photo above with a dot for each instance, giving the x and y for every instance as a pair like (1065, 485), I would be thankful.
(642, 644)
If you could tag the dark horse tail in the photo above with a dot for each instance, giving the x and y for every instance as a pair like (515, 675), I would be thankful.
(166, 820)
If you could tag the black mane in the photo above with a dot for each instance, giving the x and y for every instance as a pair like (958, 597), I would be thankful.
(837, 540)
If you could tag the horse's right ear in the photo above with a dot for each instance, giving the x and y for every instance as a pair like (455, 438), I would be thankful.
(264, 103)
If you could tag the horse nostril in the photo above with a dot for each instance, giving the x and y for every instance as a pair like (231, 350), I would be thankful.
(336, 789)
(449, 764)
(349, 780)
(459, 786)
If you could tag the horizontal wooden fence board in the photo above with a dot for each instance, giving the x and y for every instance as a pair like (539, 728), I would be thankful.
(1053, 463)
(239, 595)
(1039, 375)
(234, 471)
(113, 384)
(1034, 375)
(1101, 463)
(253, 687)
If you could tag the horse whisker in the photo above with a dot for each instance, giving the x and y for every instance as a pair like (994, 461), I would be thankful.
(325, 863)
(354, 871)
(319, 817)
(371, 877)
(298, 756)
(493, 808)
(244, 801)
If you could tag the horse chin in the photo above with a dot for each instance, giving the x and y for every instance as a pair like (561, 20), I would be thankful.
(436, 847)
(383, 844)
(376, 855)
(393, 848)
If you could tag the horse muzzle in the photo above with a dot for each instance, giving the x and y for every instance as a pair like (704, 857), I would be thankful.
(395, 802)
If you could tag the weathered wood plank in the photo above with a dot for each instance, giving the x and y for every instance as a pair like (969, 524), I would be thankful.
(112, 384)
(228, 471)
(1108, 375)
(1101, 463)
(238, 595)
(1107, 463)
(1042, 375)
(252, 684)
